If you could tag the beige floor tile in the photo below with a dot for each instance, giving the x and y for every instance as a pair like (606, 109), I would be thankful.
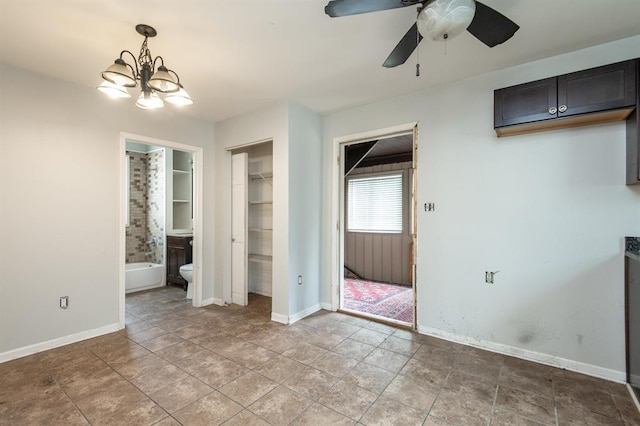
(139, 366)
(369, 377)
(387, 412)
(353, 349)
(280, 406)
(161, 342)
(334, 364)
(455, 409)
(318, 414)
(211, 409)
(180, 394)
(311, 383)
(248, 388)
(387, 360)
(348, 399)
(525, 404)
(245, 418)
(369, 337)
(400, 345)
(280, 368)
(155, 380)
(178, 351)
(414, 394)
(304, 352)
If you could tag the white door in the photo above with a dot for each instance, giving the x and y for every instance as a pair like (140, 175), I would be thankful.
(239, 202)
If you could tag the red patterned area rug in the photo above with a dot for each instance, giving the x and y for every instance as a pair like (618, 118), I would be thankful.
(385, 300)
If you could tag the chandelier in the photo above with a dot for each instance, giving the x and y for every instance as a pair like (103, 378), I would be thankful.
(153, 80)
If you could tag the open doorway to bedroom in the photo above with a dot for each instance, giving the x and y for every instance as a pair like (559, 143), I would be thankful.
(378, 236)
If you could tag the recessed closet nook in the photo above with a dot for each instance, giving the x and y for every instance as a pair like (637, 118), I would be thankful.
(252, 221)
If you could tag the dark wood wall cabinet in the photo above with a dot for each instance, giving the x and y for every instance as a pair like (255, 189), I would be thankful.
(179, 252)
(633, 133)
(598, 95)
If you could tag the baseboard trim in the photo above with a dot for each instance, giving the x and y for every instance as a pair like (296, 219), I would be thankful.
(304, 313)
(326, 306)
(213, 301)
(55, 343)
(553, 361)
(282, 319)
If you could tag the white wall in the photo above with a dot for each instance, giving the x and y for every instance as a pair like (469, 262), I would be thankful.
(548, 210)
(59, 205)
(305, 209)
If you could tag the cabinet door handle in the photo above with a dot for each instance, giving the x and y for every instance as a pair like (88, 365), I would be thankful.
(553, 110)
(562, 108)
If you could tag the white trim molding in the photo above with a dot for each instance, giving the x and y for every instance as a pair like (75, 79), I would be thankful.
(56, 343)
(282, 319)
(304, 313)
(553, 361)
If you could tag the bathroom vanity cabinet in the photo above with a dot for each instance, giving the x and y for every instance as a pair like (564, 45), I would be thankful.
(179, 252)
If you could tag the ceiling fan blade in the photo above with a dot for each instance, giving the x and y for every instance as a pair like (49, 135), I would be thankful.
(491, 27)
(404, 48)
(337, 8)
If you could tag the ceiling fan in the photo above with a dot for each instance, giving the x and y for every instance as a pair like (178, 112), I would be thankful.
(437, 19)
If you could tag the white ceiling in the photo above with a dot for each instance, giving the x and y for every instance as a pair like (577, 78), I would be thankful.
(235, 56)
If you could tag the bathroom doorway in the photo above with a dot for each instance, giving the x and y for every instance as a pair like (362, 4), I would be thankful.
(160, 216)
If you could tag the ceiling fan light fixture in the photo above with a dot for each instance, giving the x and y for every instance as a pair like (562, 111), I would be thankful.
(444, 19)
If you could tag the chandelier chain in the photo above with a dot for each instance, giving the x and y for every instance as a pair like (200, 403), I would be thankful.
(145, 54)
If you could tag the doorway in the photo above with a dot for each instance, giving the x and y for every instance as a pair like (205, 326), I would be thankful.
(378, 235)
(167, 213)
(251, 222)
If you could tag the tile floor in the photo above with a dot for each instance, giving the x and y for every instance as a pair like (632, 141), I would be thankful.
(174, 364)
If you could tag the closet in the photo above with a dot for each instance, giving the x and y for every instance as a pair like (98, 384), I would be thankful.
(252, 221)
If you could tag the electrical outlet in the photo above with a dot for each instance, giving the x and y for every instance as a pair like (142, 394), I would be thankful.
(64, 302)
(489, 276)
(299, 279)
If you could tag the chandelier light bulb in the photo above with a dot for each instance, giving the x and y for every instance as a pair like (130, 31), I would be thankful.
(149, 100)
(113, 90)
(179, 98)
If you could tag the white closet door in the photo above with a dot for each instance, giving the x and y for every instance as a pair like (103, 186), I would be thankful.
(239, 204)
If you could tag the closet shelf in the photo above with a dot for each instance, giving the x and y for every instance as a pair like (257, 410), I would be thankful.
(260, 230)
(261, 175)
(260, 202)
(259, 258)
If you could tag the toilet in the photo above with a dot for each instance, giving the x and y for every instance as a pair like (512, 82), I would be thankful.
(187, 273)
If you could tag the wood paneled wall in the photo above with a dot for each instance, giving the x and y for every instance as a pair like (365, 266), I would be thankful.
(383, 257)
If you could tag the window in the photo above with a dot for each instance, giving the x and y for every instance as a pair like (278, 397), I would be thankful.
(375, 203)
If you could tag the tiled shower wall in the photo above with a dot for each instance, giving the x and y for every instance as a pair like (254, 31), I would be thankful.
(146, 207)
(137, 230)
(156, 204)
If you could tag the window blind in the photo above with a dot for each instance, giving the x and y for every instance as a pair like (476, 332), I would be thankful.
(375, 203)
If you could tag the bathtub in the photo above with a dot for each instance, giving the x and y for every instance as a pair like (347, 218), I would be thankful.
(143, 276)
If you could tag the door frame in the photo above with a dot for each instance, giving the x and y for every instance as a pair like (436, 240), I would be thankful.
(227, 290)
(338, 211)
(198, 162)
